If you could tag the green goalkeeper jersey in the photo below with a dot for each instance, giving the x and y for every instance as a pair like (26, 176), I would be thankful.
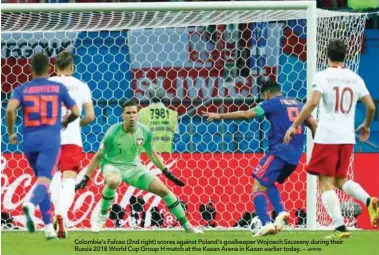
(124, 149)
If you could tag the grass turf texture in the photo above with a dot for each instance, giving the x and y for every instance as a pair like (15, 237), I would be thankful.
(19, 243)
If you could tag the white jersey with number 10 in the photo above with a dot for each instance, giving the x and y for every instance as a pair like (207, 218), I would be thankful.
(341, 88)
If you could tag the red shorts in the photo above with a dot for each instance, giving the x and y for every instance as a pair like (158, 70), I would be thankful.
(330, 159)
(70, 159)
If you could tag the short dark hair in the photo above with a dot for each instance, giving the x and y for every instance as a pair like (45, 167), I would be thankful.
(337, 50)
(64, 60)
(40, 64)
(270, 86)
(129, 103)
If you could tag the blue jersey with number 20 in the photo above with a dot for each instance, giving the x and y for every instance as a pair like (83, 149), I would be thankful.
(41, 100)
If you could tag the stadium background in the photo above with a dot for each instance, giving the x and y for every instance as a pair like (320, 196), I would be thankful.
(113, 72)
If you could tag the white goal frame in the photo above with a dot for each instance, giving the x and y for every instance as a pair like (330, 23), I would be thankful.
(311, 17)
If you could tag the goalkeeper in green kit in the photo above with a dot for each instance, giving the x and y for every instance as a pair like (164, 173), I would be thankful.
(119, 159)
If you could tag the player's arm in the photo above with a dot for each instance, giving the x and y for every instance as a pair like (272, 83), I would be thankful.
(89, 112)
(158, 161)
(370, 109)
(311, 123)
(304, 114)
(364, 128)
(95, 161)
(239, 115)
(92, 166)
(70, 104)
(105, 145)
(89, 115)
(12, 106)
(73, 116)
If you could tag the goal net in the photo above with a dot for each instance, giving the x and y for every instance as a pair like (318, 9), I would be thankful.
(205, 60)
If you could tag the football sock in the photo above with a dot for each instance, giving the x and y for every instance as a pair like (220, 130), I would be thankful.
(260, 204)
(355, 190)
(332, 205)
(67, 195)
(275, 199)
(46, 211)
(38, 194)
(176, 209)
(107, 199)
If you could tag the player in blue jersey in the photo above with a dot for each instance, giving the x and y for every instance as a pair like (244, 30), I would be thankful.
(41, 101)
(281, 160)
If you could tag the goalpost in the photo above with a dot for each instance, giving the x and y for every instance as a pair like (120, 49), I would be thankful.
(207, 56)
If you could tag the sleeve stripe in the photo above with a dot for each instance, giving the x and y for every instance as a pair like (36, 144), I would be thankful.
(259, 110)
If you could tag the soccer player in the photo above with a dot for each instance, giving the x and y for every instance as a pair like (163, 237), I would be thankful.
(41, 100)
(119, 159)
(71, 139)
(339, 88)
(161, 120)
(281, 160)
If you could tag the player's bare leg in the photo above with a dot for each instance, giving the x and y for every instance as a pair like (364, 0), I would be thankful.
(260, 203)
(332, 205)
(157, 187)
(112, 180)
(355, 190)
(66, 198)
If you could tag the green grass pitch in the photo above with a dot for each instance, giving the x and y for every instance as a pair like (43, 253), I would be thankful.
(177, 243)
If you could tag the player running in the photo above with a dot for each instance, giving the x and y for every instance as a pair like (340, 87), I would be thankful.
(339, 88)
(281, 160)
(119, 159)
(71, 139)
(41, 100)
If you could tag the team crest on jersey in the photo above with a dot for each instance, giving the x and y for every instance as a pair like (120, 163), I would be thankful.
(139, 141)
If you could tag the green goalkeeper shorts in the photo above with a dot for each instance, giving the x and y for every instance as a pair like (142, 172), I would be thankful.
(136, 176)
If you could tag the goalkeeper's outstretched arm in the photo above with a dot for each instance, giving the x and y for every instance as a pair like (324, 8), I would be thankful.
(92, 166)
(158, 162)
(94, 163)
(156, 159)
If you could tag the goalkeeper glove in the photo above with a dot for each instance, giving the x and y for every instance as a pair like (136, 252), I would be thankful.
(83, 183)
(172, 177)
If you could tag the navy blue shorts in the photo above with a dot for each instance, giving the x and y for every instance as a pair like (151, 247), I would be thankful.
(44, 163)
(272, 169)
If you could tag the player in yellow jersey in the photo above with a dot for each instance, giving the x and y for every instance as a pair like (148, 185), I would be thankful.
(161, 120)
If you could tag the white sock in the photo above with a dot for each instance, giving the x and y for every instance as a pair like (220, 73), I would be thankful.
(49, 227)
(355, 190)
(332, 205)
(67, 195)
(55, 189)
